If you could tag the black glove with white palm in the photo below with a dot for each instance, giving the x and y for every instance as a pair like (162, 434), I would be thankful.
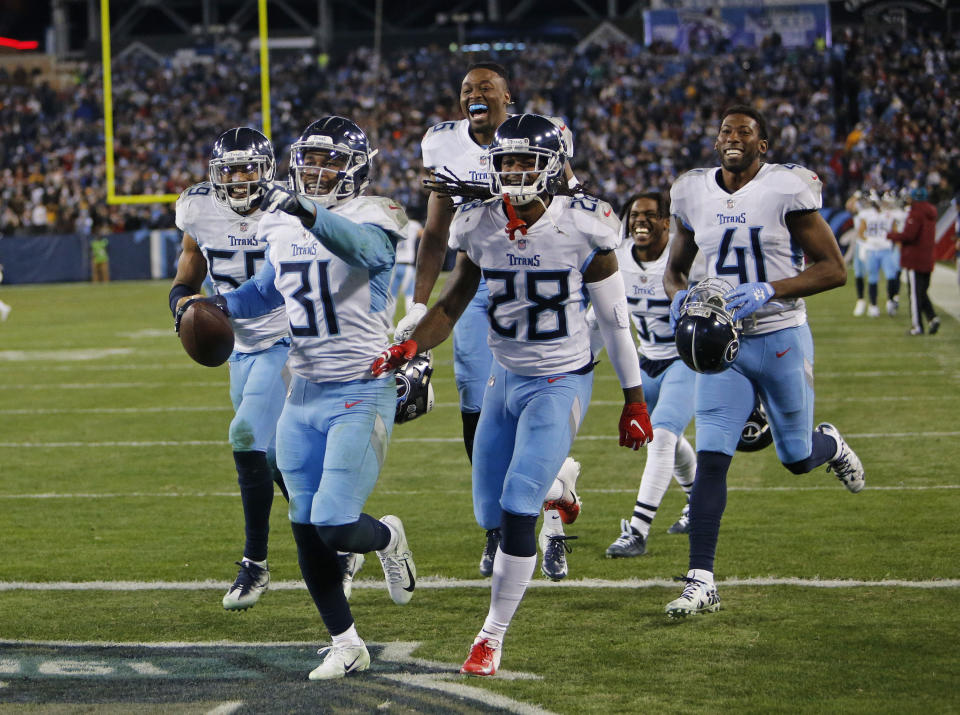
(446, 183)
(277, 196)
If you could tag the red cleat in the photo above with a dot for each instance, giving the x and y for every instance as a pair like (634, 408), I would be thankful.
(484, 658)
(569, 503)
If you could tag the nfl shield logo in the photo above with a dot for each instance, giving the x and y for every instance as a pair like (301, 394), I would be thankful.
(731, 203)
(522, 244)
(643, 279)
(243, 227)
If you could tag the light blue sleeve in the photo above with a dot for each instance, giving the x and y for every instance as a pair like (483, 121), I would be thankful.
(258, 296)
(363, 245)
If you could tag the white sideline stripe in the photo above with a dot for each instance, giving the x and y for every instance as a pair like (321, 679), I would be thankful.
(231, 706)
(147, 385)
(124, 385)
(114, 410)
(417, 492)
(227, 408)
(413, 440)
(437, 583)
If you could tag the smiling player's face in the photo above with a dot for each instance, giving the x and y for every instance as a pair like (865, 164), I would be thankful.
(484, 99)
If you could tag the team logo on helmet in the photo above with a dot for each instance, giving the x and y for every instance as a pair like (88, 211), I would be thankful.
(414, 388)
(707, 337)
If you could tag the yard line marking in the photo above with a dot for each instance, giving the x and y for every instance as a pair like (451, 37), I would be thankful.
(114, 385)
(231, 706)
(856, 373)
(228, 408)
(114, 410)
(410, 440)
(465, 490)
(440, 583)
(65, 355)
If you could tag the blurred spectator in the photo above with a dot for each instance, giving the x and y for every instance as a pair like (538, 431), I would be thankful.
(100, 260)
(918, 239)
(875, 110)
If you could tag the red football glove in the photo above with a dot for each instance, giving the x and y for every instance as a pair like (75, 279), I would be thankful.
(635, 427)
(395, 356)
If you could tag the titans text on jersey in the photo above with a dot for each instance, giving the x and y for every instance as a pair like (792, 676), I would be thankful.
(233, 251)
(728, 228)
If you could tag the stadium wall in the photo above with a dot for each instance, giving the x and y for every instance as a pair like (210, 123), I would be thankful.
(136, 255)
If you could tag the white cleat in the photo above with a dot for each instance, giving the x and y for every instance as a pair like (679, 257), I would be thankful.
(569, 503)
(873, 311)
(860, 308)
(845, 463)
(252, 581)
(398, 566)
(697, 597)
(340, 660)
(350, 564)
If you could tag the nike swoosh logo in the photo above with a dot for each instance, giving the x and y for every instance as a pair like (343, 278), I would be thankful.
(634, 423)
(607, 212)
(393, 208)
(348, 405)
(346, 668)
(413, 581)
(780, 355)
(552, 380)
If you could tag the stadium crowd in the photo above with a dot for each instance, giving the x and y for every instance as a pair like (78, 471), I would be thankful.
(874, 111)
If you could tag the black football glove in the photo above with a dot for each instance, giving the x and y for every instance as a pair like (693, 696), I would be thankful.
(217, 300)
(277, 197)
(447, 184)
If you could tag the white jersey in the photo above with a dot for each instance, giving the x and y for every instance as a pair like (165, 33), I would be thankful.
(448, 146)
(649, 304)
(537, 301)
(876, 225)
(338, 313)
(407, 250)
(233, 251)
(744, 236)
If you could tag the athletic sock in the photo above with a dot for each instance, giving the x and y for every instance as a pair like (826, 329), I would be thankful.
(657, 473)
(511, 575)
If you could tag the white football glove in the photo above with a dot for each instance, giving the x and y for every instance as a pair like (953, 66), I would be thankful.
(409, 322)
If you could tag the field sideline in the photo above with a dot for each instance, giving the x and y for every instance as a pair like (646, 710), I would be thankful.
(122, 523)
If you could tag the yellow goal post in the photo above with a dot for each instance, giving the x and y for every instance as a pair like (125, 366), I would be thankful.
(112, 196)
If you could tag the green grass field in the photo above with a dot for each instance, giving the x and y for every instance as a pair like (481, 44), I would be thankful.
(115, 468)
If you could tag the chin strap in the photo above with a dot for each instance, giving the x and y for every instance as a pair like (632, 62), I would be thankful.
(514, 223)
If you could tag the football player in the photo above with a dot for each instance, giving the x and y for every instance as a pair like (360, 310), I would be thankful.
(856, 205)
(754, 222)
(331, 252)
(219, 219)
(457, 149)
(539, 254)
(873, 225)
(667, 381)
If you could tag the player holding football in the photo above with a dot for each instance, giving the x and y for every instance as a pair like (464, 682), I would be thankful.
(330, 258)
(553, 251)
(754, 222)
(219, 220)
(458, 150)
(667, 381)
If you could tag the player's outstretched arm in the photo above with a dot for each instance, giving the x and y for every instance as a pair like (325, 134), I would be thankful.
(191, 270)
(826, 269)
(257, 296)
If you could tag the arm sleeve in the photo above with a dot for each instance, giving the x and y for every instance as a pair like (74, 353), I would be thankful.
(363, 245)
(610, 305)
(258, 296)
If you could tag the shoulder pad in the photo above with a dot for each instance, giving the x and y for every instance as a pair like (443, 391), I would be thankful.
(391, 214)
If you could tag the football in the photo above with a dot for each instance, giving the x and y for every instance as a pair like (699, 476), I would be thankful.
(206, 334)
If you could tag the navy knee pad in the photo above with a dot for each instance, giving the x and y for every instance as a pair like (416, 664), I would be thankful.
(362, 536)
(518, 534)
